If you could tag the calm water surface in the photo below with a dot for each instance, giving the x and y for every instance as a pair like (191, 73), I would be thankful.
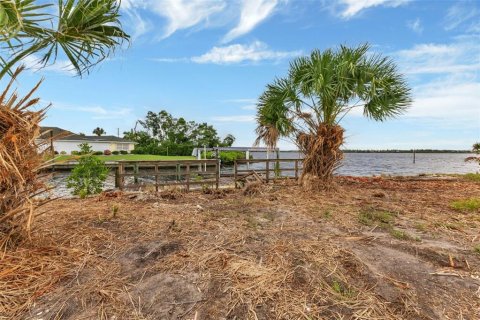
(354, 164)
(401, 164)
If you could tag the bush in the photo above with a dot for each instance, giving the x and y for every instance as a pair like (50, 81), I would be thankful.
(87, 177)
(471, 204)
(227, 157)
(75, 153)
(98, 153)
(115, 152)
(123, 152)
(85, 148)
(165, 149)
(63, 152)
(107, 152)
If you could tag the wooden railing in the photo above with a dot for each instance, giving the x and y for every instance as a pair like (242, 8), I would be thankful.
(272, 169)
(167, 173)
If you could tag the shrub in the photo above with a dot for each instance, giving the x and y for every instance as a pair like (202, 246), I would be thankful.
(87, 177)
(380, 218)
(98, 153)
(63, 152)
(123, 152)
(75, 153)
(107, 152)
(115, 152)
(227, 157)
(85, 148)
(471, 204)
(475, 177)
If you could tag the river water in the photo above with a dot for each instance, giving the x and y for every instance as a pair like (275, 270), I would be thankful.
(397, 164)
(354, 164)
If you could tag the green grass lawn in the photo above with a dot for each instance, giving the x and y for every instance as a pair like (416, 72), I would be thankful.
(137, 157)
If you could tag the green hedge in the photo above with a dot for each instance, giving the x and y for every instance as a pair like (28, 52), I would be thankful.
(227, 157)
(164, 150)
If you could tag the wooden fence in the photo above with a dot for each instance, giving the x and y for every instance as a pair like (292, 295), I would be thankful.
(167, 173)
(271, 170)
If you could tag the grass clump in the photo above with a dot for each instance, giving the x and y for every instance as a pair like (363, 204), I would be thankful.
(402, 235)
(341, 289)
(380, 218)
(475, 177)
(476, 249)
(471, 204)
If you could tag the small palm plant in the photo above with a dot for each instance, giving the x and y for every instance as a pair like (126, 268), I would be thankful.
(308, 104)
(476, 150)
(85, 32)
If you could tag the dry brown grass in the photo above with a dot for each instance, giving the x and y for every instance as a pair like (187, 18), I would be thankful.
(275, 255)
(20, 161)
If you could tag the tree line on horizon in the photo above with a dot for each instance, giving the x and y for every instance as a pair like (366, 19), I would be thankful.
(163, 134)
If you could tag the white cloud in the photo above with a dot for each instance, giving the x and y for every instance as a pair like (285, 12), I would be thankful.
(60, 66)
(350, 8)
(460, 13)
(237, 53)
(137, 23)
(458, 57)
(252, 13)
(450, 100)
(448, 82)
(415, 25)
(180, 14)
(98, 112)
(249, 107)
(242, 118)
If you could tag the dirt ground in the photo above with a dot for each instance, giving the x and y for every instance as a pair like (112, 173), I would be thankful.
(373, 248)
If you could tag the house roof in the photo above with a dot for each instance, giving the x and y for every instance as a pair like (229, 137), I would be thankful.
(65, 135)
(54, 131)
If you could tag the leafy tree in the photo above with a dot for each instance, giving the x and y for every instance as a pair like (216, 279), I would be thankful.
(88, 176)
(98, 131)
(308, 104)
(163, 132)
(85, 148)
(84, 31)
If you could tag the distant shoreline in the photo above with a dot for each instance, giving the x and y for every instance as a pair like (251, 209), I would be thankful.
(395, 151)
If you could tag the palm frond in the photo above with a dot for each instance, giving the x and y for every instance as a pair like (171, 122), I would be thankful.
(88, 32)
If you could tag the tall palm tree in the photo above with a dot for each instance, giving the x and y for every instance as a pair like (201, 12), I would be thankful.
(84, 31)
(98, 131)
(307, 105)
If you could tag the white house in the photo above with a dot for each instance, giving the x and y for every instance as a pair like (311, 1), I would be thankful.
(66, 141)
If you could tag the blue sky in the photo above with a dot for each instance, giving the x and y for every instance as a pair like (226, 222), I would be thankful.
(209, 61)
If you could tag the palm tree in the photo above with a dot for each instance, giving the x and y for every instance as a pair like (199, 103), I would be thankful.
(476, 150)
(86, 32)
(98, 131)
(307, 105)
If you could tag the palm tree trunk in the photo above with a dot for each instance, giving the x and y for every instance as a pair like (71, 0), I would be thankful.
(322, 155)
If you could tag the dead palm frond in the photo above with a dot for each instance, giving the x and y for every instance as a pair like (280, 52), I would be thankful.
(21, 157)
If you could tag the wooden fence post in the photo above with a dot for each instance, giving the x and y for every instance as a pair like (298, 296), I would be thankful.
(296, 169)
(267, 168)
(217, 174)
(121, 169)
(135, 172)
(188, 177)
(156, 178)
(117, 177)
